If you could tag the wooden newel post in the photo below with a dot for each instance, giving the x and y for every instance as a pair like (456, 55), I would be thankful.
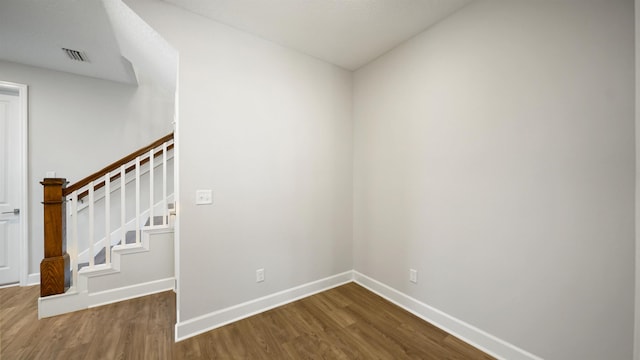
(55, 274)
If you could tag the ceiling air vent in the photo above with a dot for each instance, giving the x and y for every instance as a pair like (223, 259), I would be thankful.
(76, 55)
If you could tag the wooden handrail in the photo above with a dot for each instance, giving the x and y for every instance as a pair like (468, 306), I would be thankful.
(100, 185)
(55, 274)
(116, 165)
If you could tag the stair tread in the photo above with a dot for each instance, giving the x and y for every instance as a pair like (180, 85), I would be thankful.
(157, 220)
(130, 238)
(100, 258)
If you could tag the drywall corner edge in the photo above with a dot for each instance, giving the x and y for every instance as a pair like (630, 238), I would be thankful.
(456, 327)
(636, 331)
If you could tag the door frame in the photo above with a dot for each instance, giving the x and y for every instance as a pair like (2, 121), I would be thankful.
(23, 119)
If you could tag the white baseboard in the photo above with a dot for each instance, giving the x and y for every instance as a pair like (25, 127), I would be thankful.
(458, 328)
(130, 292)
(192, 327)
(33, 279)
(207, 322)
(9, 285)
(68, 302)
(74, 301)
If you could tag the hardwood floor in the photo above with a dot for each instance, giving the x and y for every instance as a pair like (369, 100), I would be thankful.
(347, 322)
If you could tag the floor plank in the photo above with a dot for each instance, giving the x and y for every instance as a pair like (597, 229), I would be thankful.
(347, 322)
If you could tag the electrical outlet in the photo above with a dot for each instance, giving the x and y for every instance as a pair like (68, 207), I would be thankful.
(204, 197)
(260, 275)
(413, 276)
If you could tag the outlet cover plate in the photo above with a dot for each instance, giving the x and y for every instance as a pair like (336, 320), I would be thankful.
(204, 197)
(413, 276)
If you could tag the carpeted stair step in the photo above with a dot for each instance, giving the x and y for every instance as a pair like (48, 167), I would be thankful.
(130, 238)
(100, 258)
(157, 220)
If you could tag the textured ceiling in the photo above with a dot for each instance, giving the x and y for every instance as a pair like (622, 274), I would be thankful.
(33, 32)
(348, 33)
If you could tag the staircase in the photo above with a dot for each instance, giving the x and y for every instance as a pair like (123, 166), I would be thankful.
(117, 247)
(130, 238)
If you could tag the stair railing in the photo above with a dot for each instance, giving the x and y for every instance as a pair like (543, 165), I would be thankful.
(59, 268)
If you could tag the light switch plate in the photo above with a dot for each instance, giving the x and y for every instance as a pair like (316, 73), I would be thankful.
(413, 276)
(204, 197)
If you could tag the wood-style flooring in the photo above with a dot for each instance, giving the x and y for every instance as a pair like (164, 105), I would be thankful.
(347, 322)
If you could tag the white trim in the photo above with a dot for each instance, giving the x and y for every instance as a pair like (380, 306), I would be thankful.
(636, 332)
(123, 249)
(68, 302)
(83, 256)
(130, 292)
(23, 98)
(470, 334)
(73, 300)
(456, 327)
(492, 345)
(176, 188)
(33, 279)
(129, 177)
(207, 322)
(80, 297)
(9, 285)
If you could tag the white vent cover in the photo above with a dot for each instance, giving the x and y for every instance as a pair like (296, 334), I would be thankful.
(76, 55)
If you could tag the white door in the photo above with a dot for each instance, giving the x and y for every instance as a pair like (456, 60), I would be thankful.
(10, 189)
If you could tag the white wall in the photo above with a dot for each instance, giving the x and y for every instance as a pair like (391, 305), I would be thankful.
(494, 153)
(636, 348)
(269, 130)
(78, 125)
(156, 63)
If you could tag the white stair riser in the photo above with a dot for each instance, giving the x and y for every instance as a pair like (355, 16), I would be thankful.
(116, 235)
(136, 270)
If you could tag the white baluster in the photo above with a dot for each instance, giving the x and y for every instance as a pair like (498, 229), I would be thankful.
(151, 158)
(91, 226)
(137, 227)
(72, 249)
(164, 184)
(107, 218)
(123, 205)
